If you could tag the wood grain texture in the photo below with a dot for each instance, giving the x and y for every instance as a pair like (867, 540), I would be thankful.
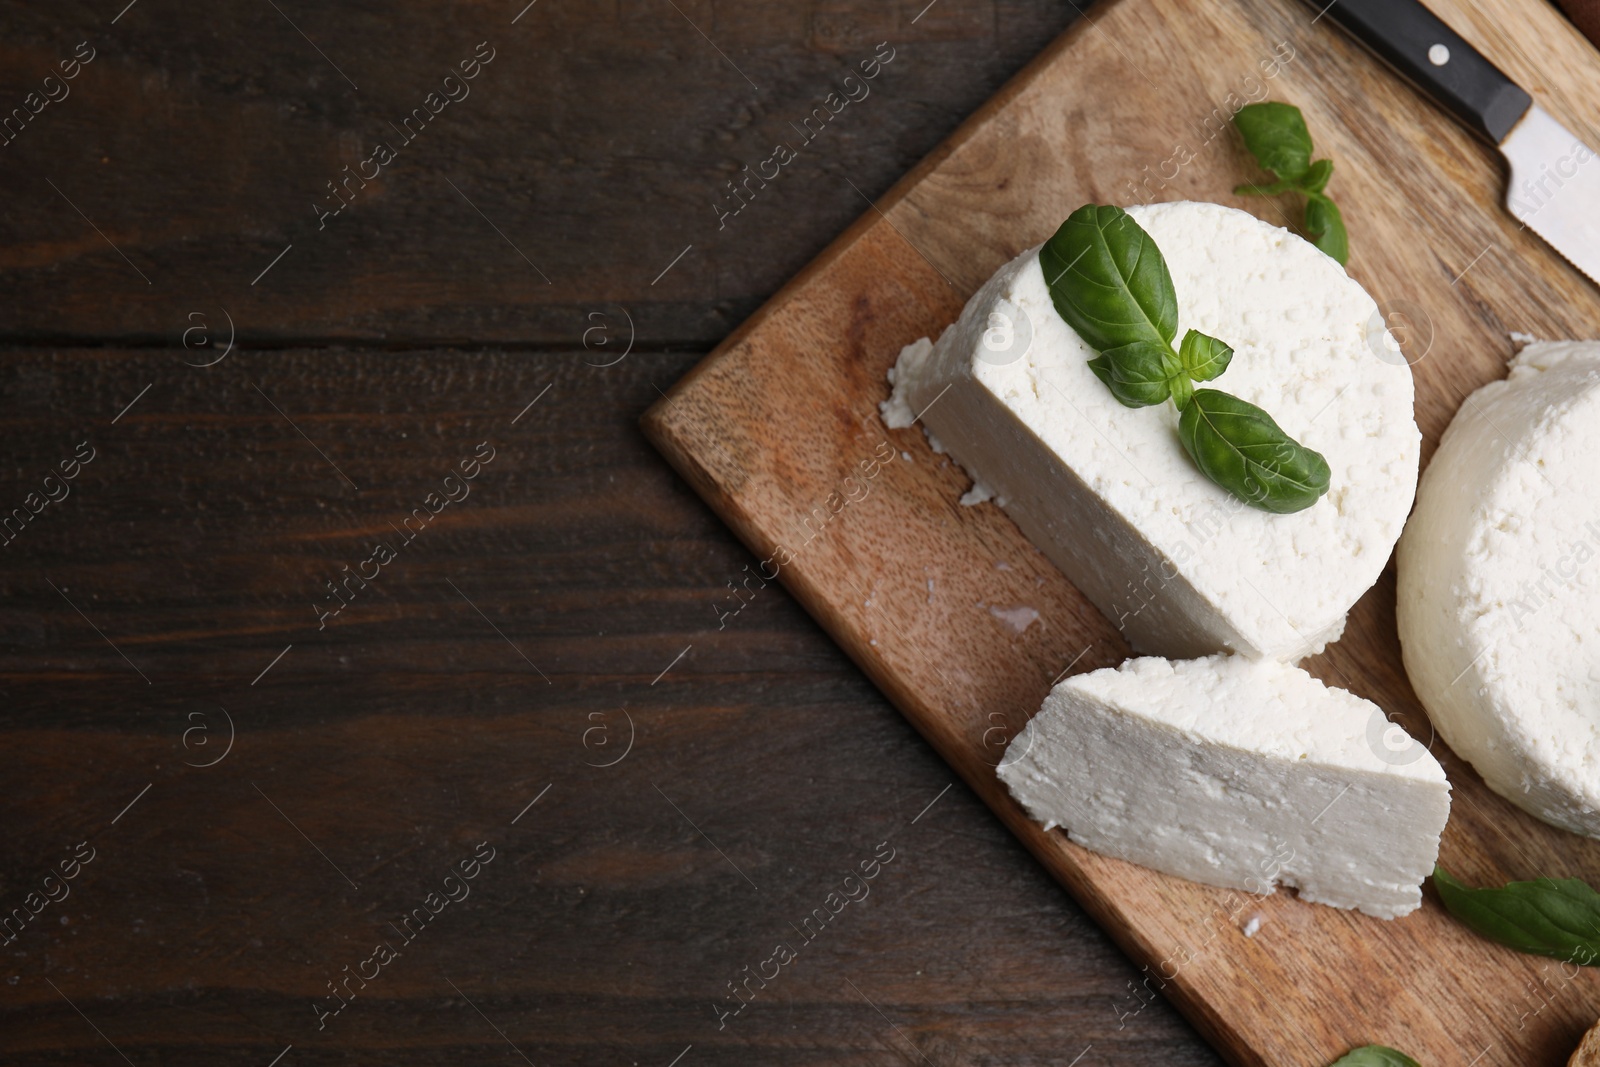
(590, 152)
(770, 426)
(410, 729)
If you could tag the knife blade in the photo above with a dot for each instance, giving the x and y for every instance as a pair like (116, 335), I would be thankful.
(1554, 185)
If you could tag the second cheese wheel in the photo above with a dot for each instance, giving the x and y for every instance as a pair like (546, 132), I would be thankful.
(1499, 585)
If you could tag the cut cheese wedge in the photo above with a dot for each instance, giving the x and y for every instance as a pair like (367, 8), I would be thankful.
(1499, 585)
(1183, 567)
(1236, 772)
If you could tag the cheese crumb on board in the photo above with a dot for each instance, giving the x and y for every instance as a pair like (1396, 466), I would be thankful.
(978, 494)
(1016, 619)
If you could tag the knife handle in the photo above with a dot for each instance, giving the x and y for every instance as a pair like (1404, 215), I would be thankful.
(1432, 56)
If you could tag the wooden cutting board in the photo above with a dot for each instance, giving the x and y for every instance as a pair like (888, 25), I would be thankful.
(779, 430)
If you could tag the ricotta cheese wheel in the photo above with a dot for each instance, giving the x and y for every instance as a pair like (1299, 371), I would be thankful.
(1236, 772)
(1182, 566)
(1499, 586)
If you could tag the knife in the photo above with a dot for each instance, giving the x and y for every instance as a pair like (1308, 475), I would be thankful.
(1554, 187)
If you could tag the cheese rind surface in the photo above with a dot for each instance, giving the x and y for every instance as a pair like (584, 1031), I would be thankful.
(1183, 567)
(1236, 772)
(1499, 586)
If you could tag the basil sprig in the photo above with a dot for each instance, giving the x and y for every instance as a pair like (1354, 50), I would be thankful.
(1276, 134)
(1110, 283)
(1557, 917)
(1374, 1056)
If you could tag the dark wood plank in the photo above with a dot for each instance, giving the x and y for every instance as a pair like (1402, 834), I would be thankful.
(597, 143)
(409, 730)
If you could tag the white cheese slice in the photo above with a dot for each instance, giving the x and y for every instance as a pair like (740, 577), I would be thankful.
(1236, 772)
(1499, 586)
(1183, 567)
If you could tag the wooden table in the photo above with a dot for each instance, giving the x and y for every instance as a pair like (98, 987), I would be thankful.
(268, 775)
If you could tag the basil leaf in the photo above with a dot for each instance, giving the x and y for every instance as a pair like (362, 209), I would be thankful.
(1316, 179)
(1547, 917)
(1374, 1056)
(1276, 134)
(1325, 227)
(1203, 357)
(1241, 448)
(1139, 374)
(1108, 280)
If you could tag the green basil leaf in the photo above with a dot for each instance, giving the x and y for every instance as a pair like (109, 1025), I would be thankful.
(1276, 134)
(1316, 179)
(1108, 280)
(1325, 227)
(1241, 448)
(1374, 1056)
(1139, 374)
(1547, 917)
(1203, 357)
